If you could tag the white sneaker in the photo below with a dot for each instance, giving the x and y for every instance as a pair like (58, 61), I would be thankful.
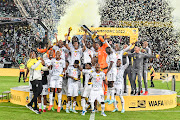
(83, 112)
(36, 111)
(103, 114)
(67, 111)
(29, 107)
(93, 111)
(74, 111)
(123, 110)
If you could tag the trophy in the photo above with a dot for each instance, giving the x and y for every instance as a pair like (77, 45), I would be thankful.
(92, 34)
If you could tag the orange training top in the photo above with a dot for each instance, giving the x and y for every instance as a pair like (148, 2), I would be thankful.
(102, 54)
(44, 50)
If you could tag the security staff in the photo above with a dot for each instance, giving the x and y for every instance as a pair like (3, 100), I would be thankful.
(22, 71)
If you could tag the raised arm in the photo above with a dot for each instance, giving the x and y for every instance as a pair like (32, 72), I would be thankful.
(148, 55)
(83, 42)
(66, 45)
(36, 65)
(109, 68)
(127, 62)
(55, 35)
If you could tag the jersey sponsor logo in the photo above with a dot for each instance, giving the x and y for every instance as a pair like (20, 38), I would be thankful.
(57, 65)
(97, 79)
(74, 73)
(89, 52)
(75, 54)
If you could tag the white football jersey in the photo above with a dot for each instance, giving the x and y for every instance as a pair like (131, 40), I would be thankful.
(55, 47)
(86, 57)
(57, 66)
(87, 73)
(97, 80)
(75, 55)
(63, 52)
(111, 57)
(47, 64)
(120, 72)
(74, 72)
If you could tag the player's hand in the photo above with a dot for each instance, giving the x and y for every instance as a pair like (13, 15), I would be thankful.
(41, 59)
(105, 36)
(76, 79)
(61, 75)
(55, 35)
(133, 43)
(70, 29)
(143, 50)
(90, 55)
(66, 38)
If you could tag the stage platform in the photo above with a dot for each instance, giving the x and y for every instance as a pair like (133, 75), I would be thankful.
(156, 99)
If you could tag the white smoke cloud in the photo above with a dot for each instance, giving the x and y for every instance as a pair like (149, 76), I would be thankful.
(77, 13)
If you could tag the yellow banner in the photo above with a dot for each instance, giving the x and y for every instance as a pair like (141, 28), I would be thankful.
(19, 97)
(164, 75)
(136, 23)
(9, 72)
(113, 31)
(132, 103)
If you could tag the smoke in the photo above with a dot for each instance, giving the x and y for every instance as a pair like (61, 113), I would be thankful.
(77, 13)
(176, 16)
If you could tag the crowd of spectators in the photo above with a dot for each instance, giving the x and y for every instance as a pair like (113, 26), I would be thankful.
(162, 40)
(16, 42)
(9, 9)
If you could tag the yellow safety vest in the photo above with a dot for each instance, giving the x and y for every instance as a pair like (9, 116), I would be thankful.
(22, 67)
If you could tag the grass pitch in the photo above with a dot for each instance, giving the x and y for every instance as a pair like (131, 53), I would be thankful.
(9, 111)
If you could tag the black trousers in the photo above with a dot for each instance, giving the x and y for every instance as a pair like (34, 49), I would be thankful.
(152, 80)
(37, 89)
(21, 73)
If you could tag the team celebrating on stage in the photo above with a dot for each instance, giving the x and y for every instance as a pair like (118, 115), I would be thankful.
(91, 68)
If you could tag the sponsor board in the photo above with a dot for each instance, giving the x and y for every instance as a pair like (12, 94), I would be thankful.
(132, 103)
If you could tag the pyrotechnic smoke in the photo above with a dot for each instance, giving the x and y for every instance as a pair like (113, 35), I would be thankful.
(77, 13)
(175, 13)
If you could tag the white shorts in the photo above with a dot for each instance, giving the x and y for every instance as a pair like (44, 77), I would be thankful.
(87, 90)
(73, 89)
(96, 95)
(45, 90)
(111, 76)
(118, 88)
(56, 82)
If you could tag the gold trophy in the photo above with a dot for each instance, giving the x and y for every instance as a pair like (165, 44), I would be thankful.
(92, 34)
